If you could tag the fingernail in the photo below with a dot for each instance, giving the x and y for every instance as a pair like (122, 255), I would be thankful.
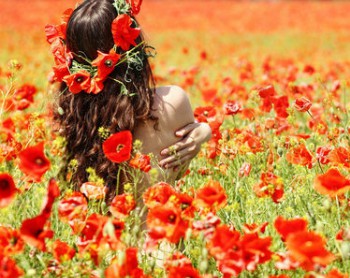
(163, 152)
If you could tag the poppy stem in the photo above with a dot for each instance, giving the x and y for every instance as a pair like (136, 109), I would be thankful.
(319, 165)
(312, 117)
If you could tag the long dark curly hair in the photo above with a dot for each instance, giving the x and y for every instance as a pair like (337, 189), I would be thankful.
(81, 115)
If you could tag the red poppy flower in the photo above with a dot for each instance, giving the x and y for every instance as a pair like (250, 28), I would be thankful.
(141, 161)
(52, 33)
(332, 183)
(165, 222)
(212, 196)
(117, 147)
(255, 250)
(8, 189)
(209, 95)
(280, 105)
(79, 81)
(269, 185)
(254, 228)
(135, 6)
(24, 96)
(122, 205)
(232, 107)
(58, 31)
(182, 271)
(207, 225)
(33, 162)
(186, 204)
(205, 113)
(60, 53)
(73, 209)
(94, 231)
(322, 154)
(308, 248)
(62, 251)
(267, 94)
(93, 191)
(9, 268)
(105, 63)
(10, 241)
(127, 268)
(300, 155)
(334, 273)
(302, 104)
(53, 192)
(33, 231)
(59, 72)
(223, 240)
(340, 156)
(96, 86)
(123, 34)
(245, 169)
(286, 227)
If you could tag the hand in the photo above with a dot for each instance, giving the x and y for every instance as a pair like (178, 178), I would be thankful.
(193, 135)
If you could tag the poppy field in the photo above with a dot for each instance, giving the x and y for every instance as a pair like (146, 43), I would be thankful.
(267, 196)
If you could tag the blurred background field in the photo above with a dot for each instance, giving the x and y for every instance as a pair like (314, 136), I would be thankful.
(312, 32)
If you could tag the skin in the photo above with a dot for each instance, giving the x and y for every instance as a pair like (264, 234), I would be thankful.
(178, 137)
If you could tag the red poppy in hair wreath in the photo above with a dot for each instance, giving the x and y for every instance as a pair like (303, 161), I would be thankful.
(117, 147)
(123, 34)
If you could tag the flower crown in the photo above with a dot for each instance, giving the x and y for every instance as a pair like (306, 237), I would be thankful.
(90, 76)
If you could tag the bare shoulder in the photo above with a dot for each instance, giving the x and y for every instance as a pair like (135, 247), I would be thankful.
(173, 101)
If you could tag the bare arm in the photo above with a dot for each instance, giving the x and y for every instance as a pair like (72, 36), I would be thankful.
(191, 136)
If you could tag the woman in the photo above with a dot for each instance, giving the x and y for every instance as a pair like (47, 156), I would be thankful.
(107, 84)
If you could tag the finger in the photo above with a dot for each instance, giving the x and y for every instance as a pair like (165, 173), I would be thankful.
(175, 157)
(179, 162)
(186, 142)
(185, 130)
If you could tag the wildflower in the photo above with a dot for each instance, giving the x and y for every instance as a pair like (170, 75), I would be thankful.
(158, 194)
(211, 196)
(308, 248)
(8, 189)
(232, 107)
(270, 185)
(33, 162)
(302, 104)
(52, 193)
(122, 205)
(286, 227)
(141, 161)
(127, 268)
(165, 222)
(300, 155)
(93, 191)
(322, 154)
(33, 231)
(9, 268)
(117, 147)
(340, 156)
(73, 209)
(205, 113)
(62, 251)
(10, 241)
(332, 183)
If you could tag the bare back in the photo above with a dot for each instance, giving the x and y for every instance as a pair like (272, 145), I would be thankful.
(173, 109)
